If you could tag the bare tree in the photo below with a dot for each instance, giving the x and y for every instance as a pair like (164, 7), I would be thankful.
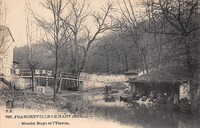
(134, 26)
(81, 30)
(103, 50)
(55, 32)
(102, 26)
(33, 59)
(78, 12)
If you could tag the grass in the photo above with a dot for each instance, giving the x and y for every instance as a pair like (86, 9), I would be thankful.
(97, 81)
(44, 102)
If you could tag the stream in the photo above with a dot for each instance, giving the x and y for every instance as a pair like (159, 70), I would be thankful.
(132, 115)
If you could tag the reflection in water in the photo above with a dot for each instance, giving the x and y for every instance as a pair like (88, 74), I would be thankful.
(109, 107)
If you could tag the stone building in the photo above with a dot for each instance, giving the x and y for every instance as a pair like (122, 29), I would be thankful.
(6, 51)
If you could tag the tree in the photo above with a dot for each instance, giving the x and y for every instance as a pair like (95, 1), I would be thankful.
(101, 25)
(33, 59)
(135, 25)
(55, 32)
(114, 52)
(103, 50)
(182, 17)
(80, 30)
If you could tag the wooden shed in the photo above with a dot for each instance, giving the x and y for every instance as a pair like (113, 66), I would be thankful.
(167, 80)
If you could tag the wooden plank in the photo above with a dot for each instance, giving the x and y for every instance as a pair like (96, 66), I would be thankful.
(39, 77)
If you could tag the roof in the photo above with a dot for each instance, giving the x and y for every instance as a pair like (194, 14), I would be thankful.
(167, 74)
(6, 29)
(133, 71)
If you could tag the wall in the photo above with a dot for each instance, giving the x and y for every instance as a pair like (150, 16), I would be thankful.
(184, 91)
(132, 88)
(6, 58)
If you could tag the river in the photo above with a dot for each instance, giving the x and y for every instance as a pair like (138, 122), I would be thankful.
(133, 115)
(107, 111)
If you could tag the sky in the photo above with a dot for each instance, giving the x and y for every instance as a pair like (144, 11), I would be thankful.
(15, 20)
(16, 16)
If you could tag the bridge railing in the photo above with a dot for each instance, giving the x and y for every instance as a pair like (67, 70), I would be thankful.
(42, 73)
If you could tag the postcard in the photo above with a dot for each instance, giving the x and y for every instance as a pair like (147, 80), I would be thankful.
(99, 63)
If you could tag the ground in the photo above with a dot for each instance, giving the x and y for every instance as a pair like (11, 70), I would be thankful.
(69, 101)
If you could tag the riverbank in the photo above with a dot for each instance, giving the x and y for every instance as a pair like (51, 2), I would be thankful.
(104, 108)
(69, 101)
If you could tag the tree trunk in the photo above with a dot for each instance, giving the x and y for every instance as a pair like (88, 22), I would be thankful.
(107, 65)
(193, 67)
(126, 62)
(76, 53)
(81, 69)
(33, 80)
(55, 76)
(59, 86)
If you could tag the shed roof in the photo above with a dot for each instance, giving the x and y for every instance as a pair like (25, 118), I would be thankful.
(167, 74)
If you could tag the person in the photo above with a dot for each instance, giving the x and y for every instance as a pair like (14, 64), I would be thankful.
(151, 96)
(160, 96)
(170, 99)
(106, 89)
(176, 98)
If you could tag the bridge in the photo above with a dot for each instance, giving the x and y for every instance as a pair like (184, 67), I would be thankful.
(40, 75)
(45, 78)
(48, 74)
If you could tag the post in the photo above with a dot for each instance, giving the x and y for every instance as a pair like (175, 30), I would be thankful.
(47, 81)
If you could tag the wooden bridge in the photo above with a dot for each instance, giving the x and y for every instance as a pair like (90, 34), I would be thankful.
(42, 77)
(47, 74)
(45, 77)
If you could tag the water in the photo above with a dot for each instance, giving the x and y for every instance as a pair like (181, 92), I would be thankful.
(109, 112)
(109, 107)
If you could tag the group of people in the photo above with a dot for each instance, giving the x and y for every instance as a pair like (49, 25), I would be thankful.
(161, 98)
(172, 99)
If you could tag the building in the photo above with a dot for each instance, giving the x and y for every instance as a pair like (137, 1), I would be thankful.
(6, 51)
(166, 80)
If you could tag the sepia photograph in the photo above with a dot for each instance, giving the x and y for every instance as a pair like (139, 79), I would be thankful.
(99, 63)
